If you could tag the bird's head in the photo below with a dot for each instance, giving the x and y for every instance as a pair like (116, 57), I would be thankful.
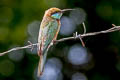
(56, 13)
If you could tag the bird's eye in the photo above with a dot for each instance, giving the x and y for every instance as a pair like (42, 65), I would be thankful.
(56, 15)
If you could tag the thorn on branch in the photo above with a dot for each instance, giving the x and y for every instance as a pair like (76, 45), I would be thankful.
(75, 35)
(113, 25)
(32, 46)
(80, 37)
(83, 44)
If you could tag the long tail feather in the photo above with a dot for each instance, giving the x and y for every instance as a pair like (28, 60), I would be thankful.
(42, 63)
(40, 66)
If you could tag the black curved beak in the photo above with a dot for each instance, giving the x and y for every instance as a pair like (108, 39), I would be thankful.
(64, 10)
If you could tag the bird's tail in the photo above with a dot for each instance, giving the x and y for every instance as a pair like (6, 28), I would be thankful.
(40, 66)
(41, 63)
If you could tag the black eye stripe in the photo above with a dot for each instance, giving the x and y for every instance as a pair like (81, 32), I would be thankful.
(56, 12)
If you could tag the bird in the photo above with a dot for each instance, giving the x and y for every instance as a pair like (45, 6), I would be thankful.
(48, 32)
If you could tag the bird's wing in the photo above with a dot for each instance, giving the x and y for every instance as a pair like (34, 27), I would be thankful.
(47, 34)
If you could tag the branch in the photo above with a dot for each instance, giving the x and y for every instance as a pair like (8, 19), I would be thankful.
(18, 48)
(80, 36)
(113, 29)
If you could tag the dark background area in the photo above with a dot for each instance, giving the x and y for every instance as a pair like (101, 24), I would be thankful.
(16, 16)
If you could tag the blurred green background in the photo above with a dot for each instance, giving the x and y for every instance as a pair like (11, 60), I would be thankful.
(100, 60)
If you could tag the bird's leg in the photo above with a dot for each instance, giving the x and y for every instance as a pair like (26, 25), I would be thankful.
(54, 42)
(51, 44)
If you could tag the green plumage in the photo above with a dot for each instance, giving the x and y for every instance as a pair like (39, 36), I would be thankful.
(49, 29)
(48, 33)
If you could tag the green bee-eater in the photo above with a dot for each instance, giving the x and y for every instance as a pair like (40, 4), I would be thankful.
(48, 32)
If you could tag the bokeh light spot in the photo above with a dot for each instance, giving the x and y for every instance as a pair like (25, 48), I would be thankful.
(52, 70)
(5, 31)
(104, 10)
(33, 28)
(67, 26)
(79, 76)
(16, 55)
(33, 31)
(78, 16)
(6, 68)
(77, 55)
(55, 62)
(6, 15)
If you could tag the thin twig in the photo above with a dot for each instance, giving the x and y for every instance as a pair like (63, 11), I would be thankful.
(113, 29)
(18, 48)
